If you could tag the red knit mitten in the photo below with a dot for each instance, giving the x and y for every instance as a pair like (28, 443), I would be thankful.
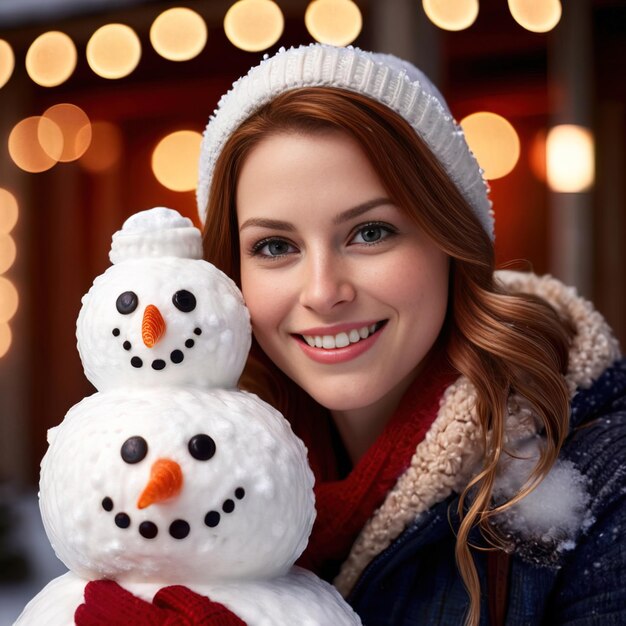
(108, 604)
(196, 609)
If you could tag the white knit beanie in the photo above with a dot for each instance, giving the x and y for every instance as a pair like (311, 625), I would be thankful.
(384, 78)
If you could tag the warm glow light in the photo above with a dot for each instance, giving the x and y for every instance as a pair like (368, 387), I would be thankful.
(254, 25)
(175, 160)
(493, 141)
(8, 299)
(51, 59)
(113, 51)
(8, 252)
(35, 144)
(75, 128)
(451, 14)
(7, 62)
(5, 339)
(570, 158)
(538, 16)
(8, 211)
(336, 22)
(178, 34)
(105, 149)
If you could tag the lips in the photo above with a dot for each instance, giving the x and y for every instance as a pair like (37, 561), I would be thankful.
(339, 343)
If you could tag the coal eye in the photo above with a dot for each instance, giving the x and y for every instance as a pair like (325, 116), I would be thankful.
(126, 302)
(134, 449)
(184, 301)
(201, 447)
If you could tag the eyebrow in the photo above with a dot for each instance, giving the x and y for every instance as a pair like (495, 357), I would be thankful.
(342, 217)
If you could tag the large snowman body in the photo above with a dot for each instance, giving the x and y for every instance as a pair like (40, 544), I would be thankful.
(160, 478)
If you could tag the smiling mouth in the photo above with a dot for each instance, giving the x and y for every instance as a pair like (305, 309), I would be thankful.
(342, 339)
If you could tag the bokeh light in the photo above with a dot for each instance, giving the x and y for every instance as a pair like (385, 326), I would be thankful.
(51, 59)
(335, 22)
(178, 34)
(7, 62)
(175, 160)
(8, 252)
(113, 51)
(9, 299)
(538, 16)
(570, 158)
(8, 211)
(254, 25)
(75, 128)
(35, 144)
(5, 339)
(105, 149)
(451, 14)
(494, 142)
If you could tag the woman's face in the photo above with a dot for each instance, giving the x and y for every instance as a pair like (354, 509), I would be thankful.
(346, 294)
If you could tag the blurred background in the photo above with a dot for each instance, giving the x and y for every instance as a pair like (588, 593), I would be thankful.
(102, 105)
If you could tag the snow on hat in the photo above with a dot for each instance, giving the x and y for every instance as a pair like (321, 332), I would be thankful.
(387, 79)
(157, 232)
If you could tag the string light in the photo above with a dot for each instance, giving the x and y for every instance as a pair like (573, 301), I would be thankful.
(5, 339)
(51, 59)
(178, 34)
(7, 62)
(75, 128)
(494, 142)
(8, 252)
(35, 144)
(570, 158)
(335, 22)
(538, 16)
(175, 159)
(9, 299)
(8, 211)
(451, 14)
(254, 25)
(113, 51)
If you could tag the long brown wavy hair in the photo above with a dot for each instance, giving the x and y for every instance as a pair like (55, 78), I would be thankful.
(503, 343)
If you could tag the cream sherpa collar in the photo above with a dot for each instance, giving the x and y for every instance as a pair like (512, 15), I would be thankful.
(446, 459)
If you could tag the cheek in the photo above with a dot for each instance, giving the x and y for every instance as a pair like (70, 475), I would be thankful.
(264, 298)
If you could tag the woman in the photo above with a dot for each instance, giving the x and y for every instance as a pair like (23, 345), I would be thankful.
(464, 426)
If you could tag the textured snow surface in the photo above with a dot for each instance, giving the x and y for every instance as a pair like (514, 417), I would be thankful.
(255, 450)
(556, 511)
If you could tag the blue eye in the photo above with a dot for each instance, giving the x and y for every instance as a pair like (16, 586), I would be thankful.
(273, 248)
(372, 233)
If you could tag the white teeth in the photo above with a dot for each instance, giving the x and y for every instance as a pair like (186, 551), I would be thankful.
(328, 342)
(340, 340)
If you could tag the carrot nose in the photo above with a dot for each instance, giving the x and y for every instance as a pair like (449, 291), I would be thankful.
(152, 326)
(166, 481)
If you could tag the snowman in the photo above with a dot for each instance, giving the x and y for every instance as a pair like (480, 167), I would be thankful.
(174, 493)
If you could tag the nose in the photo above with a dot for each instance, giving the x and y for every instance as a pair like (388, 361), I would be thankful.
(166, 481)
(152, 326)
(326, 283)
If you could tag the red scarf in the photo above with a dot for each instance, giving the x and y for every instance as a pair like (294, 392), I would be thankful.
(344, 506)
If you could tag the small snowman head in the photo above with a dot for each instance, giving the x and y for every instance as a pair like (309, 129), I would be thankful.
(160, 315)
(176, 486)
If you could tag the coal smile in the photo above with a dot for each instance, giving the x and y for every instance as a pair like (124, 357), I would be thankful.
(176, 356)
(179, 528)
